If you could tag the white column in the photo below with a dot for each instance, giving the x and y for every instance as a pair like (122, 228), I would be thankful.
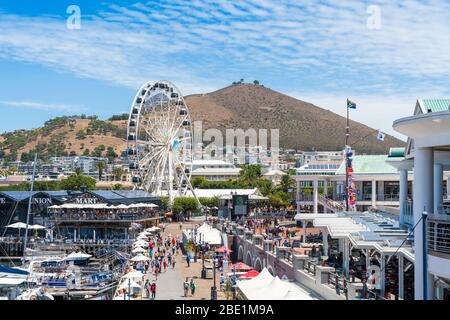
(374, 193)
(325, 193)
(298, 196)
(367, 259)
(383, 275)
(325, 242)
(423, 200)
(315, 195)
(345, 256)
(438, 178)
(403, 193)
(75, 235)
(448, 188)
(401, 282)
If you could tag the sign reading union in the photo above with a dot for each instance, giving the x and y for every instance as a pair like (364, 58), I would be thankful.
(42, 200)
(86, 200)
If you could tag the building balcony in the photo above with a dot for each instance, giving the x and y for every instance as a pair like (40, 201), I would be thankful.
(438, 231)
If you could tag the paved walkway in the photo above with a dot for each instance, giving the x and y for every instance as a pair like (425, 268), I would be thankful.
(169, 285)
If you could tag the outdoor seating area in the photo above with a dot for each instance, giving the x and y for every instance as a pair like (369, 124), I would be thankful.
(71, 211)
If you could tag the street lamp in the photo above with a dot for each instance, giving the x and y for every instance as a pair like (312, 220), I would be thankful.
(214, 288)
(203, 275)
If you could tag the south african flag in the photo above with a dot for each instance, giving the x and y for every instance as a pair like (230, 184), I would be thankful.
(351, 104)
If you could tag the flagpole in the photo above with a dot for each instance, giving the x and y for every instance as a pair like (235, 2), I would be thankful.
(347, 135)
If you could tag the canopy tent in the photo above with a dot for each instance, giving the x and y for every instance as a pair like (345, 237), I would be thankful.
(77, 256)
(205, 234)
(140, 258)
(122, 206)
(267, 287)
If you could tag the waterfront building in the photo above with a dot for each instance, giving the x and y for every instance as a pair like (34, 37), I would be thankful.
(428, 155)
(377, 182)
(81, 214)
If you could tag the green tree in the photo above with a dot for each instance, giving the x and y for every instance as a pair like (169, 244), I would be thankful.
(250, 174)
(118, 173)
(256, 82)
(76, 181)
(286, 183)
(86, 152)
(110, 153)
(185, 204)
(117, 186)
(100, 165)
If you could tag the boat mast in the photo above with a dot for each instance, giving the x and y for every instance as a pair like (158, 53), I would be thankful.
(29, 207)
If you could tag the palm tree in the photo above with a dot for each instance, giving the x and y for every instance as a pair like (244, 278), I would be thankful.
(286, 183)
(118, 173)
(78, 171)
(100, 167)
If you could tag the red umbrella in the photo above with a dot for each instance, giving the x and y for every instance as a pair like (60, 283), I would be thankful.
(251, 274)
(240, 266)
(223, 250)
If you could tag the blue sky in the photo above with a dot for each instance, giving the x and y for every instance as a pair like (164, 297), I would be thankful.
(318, 51)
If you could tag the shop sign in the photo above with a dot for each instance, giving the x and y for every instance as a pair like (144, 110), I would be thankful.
(42, 200)
(86, 200)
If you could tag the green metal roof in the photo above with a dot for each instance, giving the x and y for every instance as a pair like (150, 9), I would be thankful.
(436, 105)
(371, 164)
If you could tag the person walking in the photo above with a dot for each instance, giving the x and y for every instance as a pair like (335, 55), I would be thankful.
(165, 265)
(188, 260)
(186, 287)
(192, 286)
(153, 290)
(173, 264)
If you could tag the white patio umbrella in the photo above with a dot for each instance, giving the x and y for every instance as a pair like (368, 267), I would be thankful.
(129, 283)
(122, 206)
(140, 244)
(36, 227)
(145, 233)
(134, 275)
(140, 258)
(152, 205)
(138, 250)
(18, 225)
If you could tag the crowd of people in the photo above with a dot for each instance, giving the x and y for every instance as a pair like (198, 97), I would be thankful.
(102, 214)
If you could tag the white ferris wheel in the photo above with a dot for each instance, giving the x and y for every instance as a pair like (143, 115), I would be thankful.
(160, 141)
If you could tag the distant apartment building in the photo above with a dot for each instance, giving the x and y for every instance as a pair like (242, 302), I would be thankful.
(306, 157)
(88, 165)
(214, 170)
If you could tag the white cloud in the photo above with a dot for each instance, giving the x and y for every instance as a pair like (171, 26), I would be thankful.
(44, 106)
(324, 47)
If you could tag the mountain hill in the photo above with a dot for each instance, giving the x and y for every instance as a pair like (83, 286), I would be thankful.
(302, 126)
